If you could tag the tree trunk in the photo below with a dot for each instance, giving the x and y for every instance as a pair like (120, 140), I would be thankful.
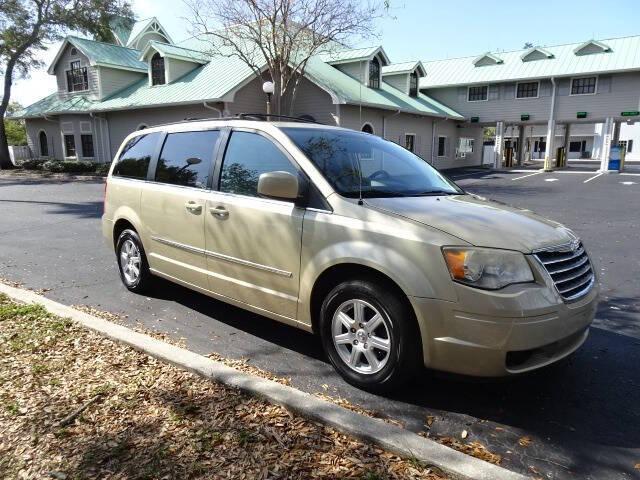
(5, 160)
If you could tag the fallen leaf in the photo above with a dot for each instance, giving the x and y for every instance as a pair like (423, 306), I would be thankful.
(524, 441)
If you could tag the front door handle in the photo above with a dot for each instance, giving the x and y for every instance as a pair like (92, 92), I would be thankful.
(193, 207)
(219, 212)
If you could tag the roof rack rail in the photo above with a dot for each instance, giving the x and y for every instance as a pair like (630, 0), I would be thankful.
(257, 117)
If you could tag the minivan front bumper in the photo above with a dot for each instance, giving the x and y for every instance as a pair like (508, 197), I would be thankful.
(502, 333)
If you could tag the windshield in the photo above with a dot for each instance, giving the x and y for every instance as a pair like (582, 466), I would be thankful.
(352, 161)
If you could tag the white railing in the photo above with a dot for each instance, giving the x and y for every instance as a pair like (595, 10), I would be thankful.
(19, 153)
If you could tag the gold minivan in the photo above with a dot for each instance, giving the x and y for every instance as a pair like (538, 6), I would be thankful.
(353, 237)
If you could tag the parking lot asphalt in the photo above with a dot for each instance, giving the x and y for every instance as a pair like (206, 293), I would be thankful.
(577, 419)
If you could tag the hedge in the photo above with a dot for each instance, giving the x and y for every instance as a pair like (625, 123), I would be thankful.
(66, 166)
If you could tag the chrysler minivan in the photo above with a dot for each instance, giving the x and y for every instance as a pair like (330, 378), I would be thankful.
(352, 237)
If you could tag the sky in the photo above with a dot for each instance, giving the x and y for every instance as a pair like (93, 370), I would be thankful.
(429, 29)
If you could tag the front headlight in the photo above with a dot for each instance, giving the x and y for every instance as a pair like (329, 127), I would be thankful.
(486, 267)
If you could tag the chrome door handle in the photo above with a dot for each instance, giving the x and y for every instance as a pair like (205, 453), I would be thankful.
(219, 212)
(193, 207)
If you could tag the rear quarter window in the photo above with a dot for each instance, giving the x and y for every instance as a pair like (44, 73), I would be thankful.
(136, 156)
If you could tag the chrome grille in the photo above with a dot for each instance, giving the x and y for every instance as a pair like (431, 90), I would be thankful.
(569, 268)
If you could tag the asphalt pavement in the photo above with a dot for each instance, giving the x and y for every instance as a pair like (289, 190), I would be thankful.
(577, 419)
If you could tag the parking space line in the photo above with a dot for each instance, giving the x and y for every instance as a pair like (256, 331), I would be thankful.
(530, 175)
(593, 178)
(631, 174)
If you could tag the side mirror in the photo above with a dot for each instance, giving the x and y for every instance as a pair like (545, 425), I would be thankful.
(193, 161)
(280, 185)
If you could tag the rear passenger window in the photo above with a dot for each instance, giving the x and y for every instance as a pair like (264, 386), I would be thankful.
(136, 155)
(186, 158)
(248, 156)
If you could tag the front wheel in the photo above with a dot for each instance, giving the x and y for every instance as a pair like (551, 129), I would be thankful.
(132, 262)
(369, 335)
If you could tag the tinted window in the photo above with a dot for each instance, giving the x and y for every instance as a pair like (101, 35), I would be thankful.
(186, 158)
(136, 155)
(354, 162)
(248, 156)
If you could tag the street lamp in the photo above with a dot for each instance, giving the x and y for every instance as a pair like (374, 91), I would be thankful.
(268, 88)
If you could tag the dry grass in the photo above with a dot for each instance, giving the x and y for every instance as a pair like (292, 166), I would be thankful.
(76, 405)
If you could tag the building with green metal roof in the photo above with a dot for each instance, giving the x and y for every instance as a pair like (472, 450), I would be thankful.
(436, 108)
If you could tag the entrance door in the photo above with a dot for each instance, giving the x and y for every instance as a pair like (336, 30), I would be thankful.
(173, 205)
(253, 243)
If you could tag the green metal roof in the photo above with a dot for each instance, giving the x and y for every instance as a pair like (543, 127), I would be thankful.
(352, 55)
(346, 89)
(104, 54)
(166, 49)
(53, 105)
(624, 55)
(405, 67)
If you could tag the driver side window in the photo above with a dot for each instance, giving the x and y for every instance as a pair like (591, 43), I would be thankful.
(248, 156)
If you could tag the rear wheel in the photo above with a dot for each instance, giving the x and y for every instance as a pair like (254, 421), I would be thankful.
(369, 335)
(132, 262)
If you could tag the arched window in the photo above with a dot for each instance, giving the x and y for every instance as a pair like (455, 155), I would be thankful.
(367, 128)
(374, 73)
(157, 70)
(413, 85)
(44, 145)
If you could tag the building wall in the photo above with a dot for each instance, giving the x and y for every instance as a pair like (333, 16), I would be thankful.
(52, 130)
(146, 38)
(355, 70)
(123, 123)
(113, 80)
(631, 133)
(176, 69)
(401, 82)
(61, 76)
(249, 99)
(615, 93)
(312, 100)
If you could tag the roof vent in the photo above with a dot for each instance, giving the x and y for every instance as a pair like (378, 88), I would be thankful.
(487, 59)
(536, 53)
(591, 47)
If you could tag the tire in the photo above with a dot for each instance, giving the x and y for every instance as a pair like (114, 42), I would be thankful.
(370, 368)
(128, 245)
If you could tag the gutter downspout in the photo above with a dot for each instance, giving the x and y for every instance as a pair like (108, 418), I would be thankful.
(206, 105)
(384, 123)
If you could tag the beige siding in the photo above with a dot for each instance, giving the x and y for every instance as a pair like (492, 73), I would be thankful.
(113, 80)
(61, 76)
(356, 70)
(615, 93)
(52, 130)
(178, 68)
(312, 100)
(249, 99)
(123, 123)
(401, 82)
(146, 38)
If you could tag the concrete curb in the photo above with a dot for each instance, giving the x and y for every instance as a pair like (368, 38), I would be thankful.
(390, 437)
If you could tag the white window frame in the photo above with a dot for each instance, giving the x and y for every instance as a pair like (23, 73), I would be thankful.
(444, 155)
(528, 98)
(371, 125)
(85, 127)
(460, 154)
(595, 90)
(477, 86)
(415, 137)
(78, 60)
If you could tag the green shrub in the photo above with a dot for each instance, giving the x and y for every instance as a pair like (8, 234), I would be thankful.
(102, 168)
(69, 166)
(33, 164)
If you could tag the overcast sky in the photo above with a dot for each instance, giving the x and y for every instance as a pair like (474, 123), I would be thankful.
(431, 29)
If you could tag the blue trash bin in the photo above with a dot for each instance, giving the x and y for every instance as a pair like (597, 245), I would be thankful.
(614, 159)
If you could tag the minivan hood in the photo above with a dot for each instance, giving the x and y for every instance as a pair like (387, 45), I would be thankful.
(480, 222)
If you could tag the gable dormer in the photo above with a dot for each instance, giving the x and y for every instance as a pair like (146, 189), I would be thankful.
(592, 47)
(363, 64)
(404, 76)
(167, 63)
(137, 34)
(536, 53)
(487, 59)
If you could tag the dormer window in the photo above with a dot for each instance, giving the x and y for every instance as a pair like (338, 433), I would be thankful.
(374, 73)
(157, 70)
(413, 84)
(77, 78)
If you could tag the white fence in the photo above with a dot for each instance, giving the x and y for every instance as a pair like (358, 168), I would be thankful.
(19, 153)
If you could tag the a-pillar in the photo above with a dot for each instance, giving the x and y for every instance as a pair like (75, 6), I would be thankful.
(521, 139)
(550, 150)
(498, 148)
(607, 138)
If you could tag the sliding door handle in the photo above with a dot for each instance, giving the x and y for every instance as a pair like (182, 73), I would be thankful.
(193, 207)
(219, 212)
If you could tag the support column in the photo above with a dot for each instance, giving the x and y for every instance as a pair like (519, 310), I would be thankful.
(498, 148)
(521, 140)
(551, 145)
(567, 140)
(607, 137)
